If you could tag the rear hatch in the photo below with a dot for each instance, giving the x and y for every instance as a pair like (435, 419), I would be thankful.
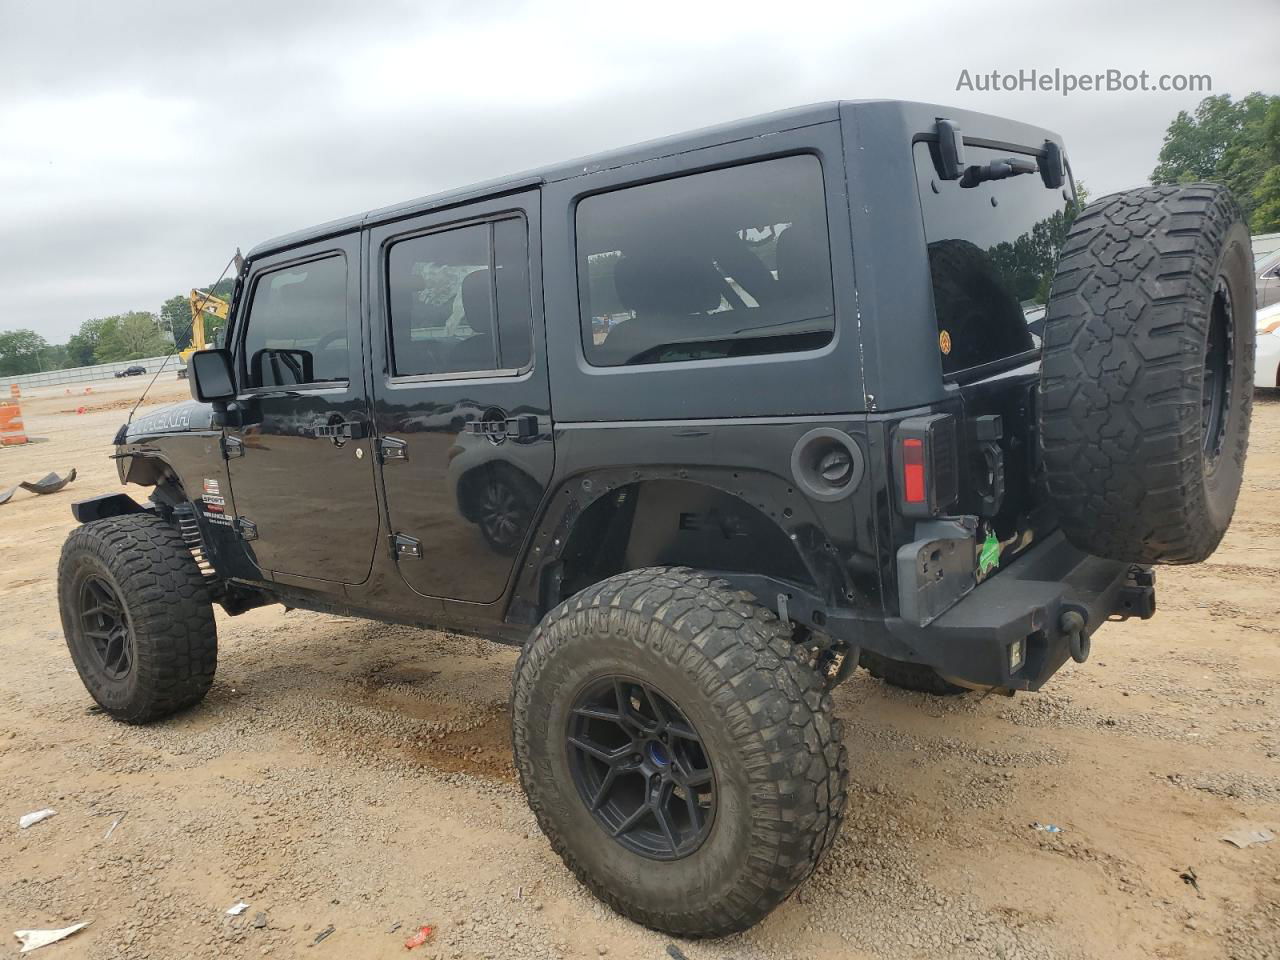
(993, 248)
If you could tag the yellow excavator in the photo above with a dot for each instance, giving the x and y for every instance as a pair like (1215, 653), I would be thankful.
(202, 302)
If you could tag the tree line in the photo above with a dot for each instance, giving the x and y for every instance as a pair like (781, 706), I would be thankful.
(127, 336)
(1234, 143)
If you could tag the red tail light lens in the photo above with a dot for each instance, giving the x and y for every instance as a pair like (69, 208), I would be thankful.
(913, 478)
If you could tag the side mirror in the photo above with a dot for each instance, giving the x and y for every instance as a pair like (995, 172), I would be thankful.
(210, 374)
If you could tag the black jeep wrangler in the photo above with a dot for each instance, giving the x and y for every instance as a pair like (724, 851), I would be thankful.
(701, 424)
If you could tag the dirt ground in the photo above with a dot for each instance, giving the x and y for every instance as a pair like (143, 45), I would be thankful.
(348, 775)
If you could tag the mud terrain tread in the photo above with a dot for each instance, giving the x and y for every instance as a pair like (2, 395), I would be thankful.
(908, 676)
(745, 660)
(168, 603)
(1121, 373)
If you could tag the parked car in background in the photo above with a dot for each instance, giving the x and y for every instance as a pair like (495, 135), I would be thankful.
(1267, 282)
(1267, 367)
(134, 371)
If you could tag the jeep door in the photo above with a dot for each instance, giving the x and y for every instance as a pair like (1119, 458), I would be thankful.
(460, 391)
(300, 462)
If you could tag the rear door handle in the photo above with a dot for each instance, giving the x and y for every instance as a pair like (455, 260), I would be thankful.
(351, 429)
(525, 425)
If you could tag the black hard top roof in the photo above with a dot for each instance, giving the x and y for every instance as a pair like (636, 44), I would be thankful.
(652, 149)
(762, 125)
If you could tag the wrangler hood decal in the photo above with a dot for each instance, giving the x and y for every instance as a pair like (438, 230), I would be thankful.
(179, 418)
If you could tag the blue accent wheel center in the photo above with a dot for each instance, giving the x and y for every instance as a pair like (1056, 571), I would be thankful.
(641, 768)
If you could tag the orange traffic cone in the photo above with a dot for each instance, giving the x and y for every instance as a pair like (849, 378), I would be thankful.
(15, 391)
(11, 429)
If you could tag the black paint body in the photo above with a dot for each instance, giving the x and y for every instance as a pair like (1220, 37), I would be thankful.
(618, 467)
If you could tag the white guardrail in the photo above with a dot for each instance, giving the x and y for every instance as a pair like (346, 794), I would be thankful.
(101, 371)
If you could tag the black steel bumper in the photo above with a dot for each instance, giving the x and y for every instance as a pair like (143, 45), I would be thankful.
(977, 639)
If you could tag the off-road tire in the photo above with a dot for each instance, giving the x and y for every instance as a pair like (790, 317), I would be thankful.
(167, 607)
(774, 744)
(908, 676)
(1133, 302)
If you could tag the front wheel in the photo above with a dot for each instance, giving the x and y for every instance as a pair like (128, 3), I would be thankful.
(137, 617)
(679, 753)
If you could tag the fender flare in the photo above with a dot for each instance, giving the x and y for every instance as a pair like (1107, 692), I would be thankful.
(774, 496)
(105, 505)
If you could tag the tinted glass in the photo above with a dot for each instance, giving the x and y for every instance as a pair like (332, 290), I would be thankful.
(725, 263)
(297, 329)
(515, 325)
(993, 249)
(442, 290)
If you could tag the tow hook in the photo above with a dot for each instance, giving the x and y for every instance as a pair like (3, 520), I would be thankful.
(1072, 624)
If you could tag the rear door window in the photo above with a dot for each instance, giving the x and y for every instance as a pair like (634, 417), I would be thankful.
(459, 300)
(730, 262)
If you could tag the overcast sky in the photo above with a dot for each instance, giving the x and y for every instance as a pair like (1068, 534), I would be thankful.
(140, 143)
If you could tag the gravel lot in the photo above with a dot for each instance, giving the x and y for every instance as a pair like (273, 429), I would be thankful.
(357, 776)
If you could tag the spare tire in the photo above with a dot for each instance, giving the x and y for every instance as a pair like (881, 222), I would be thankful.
(1147, 373)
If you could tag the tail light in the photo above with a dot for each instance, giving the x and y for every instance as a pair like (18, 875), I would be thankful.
(926, 461)
(913, 471)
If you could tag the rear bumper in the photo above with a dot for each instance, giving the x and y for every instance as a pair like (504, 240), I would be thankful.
(974, 641)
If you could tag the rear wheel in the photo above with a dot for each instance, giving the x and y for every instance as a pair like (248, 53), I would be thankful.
(137, 617)
(908, 676)
(1146, 381)
(678, 751)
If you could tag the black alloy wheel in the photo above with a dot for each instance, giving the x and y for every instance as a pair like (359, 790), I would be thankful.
(105, 624)
(641, 768)
(679, 750)
(138, 617)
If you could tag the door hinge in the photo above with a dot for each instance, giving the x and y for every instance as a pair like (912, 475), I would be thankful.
(393, 448)
(405, 546)
(232, 447)
(247, 529)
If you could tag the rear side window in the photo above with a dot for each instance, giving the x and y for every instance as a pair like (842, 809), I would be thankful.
(297, 330)
(726, 263)
(459, 300)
